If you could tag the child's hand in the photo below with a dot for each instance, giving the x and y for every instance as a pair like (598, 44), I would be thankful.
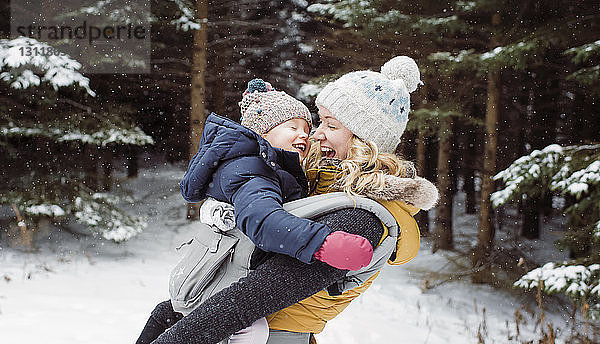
(345, 251)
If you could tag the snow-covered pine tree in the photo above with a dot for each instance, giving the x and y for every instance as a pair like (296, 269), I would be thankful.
(586, 57)
(256, 38)
(108, 57)
(571, 173)
(49, 140)
(416, 29)
(234, 42)
(528, 41)
(504, 61)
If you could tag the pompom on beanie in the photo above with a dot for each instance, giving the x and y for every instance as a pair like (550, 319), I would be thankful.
(264, 108)
(374, 106)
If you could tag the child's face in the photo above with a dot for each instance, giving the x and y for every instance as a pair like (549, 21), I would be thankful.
(291, 135)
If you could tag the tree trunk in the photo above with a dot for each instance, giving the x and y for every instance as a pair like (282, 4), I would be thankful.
(422, 217)
(107, 167)
(132, 161)
(443, 217)
(542, 116)
(219, 90)
(198, 91)
(90, 167)
(486, 231)
(469, 166)
(469, 187)
(530, 228)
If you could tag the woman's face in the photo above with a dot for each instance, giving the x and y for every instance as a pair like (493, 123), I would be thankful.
(333, 136)
(291, 135)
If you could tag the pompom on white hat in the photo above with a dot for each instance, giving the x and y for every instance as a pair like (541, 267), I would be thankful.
(374, 106)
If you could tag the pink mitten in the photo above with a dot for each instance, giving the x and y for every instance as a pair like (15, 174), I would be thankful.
(345, 251)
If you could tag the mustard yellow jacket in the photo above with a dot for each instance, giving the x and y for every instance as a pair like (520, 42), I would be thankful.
(311, 314)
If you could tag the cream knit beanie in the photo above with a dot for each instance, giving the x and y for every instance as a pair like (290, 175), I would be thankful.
(374, 106)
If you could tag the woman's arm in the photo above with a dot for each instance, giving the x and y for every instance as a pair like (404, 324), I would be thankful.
(278, 283)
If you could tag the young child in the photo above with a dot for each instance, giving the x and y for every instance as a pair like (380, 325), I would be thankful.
(256, 167)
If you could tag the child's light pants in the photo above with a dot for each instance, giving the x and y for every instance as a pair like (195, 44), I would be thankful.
(257, 333)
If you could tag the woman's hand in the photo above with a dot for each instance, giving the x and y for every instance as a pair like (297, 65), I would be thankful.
(345, 251)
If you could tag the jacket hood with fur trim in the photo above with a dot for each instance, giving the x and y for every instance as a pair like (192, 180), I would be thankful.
(414, 190)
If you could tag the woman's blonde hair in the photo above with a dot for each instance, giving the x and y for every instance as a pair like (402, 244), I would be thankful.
(364, 166)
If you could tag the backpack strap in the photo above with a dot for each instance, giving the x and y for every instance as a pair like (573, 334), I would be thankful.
(323, 204)
(319, 205)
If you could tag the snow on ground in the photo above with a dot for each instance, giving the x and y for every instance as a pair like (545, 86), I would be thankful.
(93, 291)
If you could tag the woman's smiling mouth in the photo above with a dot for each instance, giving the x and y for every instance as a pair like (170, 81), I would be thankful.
(327, 152)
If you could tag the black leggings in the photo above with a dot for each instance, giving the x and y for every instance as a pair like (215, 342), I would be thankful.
(162, 317)
(278, 283)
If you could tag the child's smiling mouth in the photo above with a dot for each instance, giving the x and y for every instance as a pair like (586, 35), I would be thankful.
(300, 146)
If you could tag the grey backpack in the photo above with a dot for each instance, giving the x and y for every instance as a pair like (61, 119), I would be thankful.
(214, 259)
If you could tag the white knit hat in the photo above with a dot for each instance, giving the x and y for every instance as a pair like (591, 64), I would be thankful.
(374, 106)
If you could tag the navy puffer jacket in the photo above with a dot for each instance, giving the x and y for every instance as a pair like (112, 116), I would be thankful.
(236, 165)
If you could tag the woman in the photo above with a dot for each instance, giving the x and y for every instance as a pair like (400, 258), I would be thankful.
(255, 166)
(363, 116)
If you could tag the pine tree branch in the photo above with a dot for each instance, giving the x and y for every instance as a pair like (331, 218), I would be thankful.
(582, 19)
(236, 3)
(470, 42)
(75, 104)
(171, 60)
(240, 23)
(235, 38)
